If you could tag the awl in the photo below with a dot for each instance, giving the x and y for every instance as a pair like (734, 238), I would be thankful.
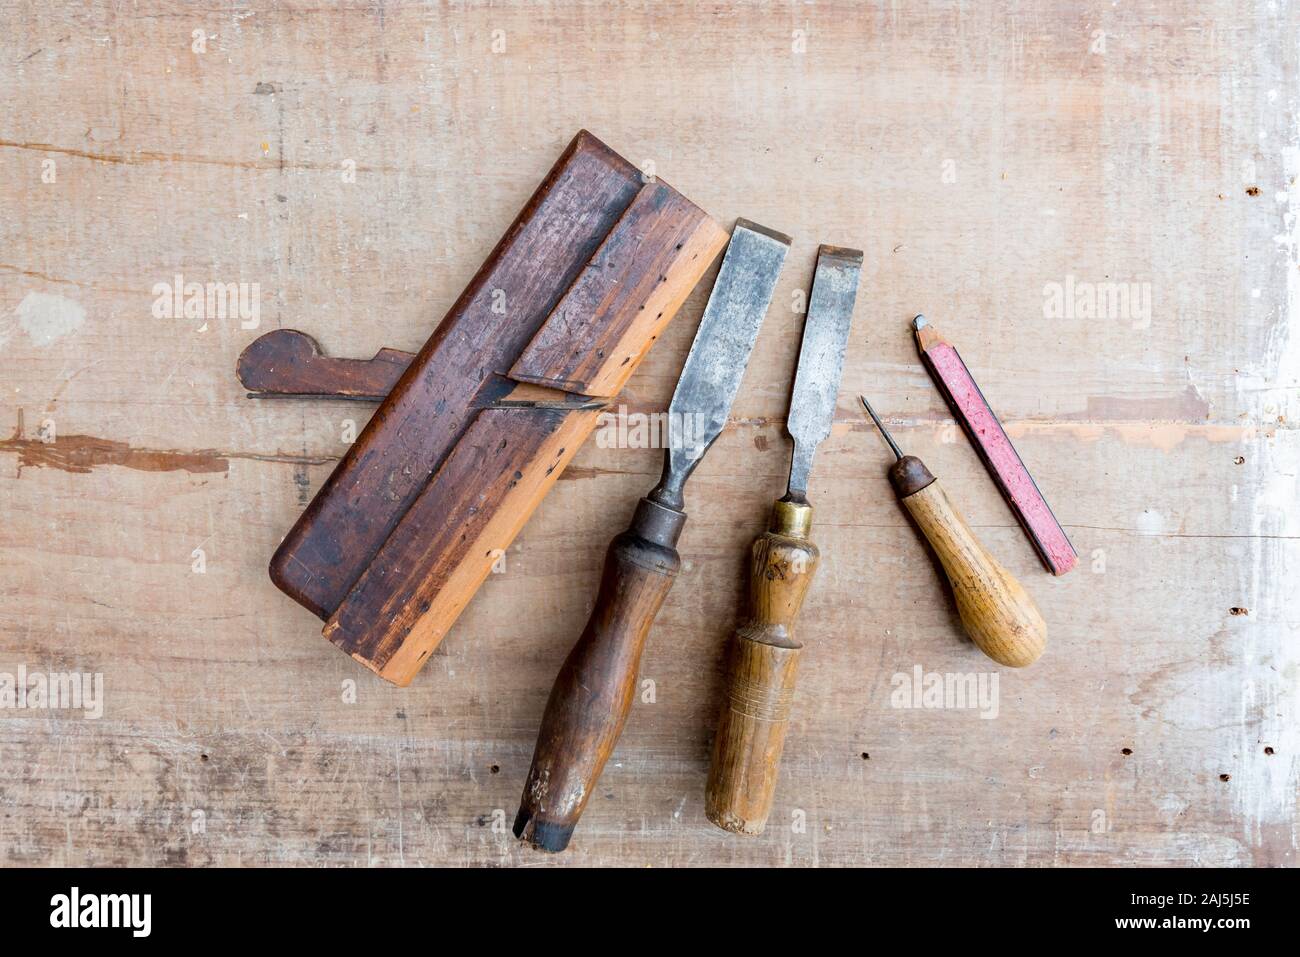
(764, 654)
(995, 609)
(593, 692)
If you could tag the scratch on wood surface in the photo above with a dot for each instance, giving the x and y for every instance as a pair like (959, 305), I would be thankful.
(59, 280)
(138, 157)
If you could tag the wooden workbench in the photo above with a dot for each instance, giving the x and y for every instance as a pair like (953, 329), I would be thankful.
(357, 163)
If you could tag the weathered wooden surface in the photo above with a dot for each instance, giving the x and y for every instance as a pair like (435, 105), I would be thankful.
(976, 153)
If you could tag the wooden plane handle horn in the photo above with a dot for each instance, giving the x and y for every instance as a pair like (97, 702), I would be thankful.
(288, 363)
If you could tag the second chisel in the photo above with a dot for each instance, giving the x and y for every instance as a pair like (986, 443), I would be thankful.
(764, 654)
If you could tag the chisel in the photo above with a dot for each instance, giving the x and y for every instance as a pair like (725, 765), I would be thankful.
(593, 692)
(997, 613)
(764, 655)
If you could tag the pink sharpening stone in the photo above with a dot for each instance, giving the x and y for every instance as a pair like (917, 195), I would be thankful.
(1000, 457)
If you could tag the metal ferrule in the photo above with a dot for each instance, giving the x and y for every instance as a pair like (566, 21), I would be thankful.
(792, 519)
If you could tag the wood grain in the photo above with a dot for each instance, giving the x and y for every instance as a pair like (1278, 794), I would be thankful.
(762, 665)
(432, 493)
(424, 416)
(623, 301)
(995, 609)
(288, 363)
(1168, 449)
(593, 692)
(449, 540)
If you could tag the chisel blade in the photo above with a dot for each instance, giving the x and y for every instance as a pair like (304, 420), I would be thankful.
(821, 359)
(716, 363)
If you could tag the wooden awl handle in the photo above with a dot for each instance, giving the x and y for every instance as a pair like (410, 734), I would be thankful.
(998, 613)
(593, 692)
(761, 666)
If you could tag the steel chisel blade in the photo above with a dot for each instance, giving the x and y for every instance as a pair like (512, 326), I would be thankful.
(714, 367)
(821, 359)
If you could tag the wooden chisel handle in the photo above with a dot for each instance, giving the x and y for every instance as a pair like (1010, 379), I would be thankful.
(998, 613)
(593, 692)
(761, 666)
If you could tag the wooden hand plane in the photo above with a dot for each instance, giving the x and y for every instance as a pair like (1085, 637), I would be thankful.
(474, 429)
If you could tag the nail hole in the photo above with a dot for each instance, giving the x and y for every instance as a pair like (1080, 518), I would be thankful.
(865, 756)
(1224, 777)
(1126, 751)
(495, 769)
(1268, 750)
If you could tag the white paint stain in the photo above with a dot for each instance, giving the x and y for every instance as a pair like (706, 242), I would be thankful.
(1282, 357)
(1150, 522)
(1171, 807)
(46, 317)
(1266, 784)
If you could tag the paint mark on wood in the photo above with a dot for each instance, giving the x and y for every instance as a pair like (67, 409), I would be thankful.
(1165, 436)
(81, 453)
(46, 317)
(1190, 406)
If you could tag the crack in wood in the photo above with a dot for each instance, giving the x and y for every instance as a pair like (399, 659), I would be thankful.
(141, 157)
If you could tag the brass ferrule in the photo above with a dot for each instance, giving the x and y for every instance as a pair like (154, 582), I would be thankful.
(793, 519)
